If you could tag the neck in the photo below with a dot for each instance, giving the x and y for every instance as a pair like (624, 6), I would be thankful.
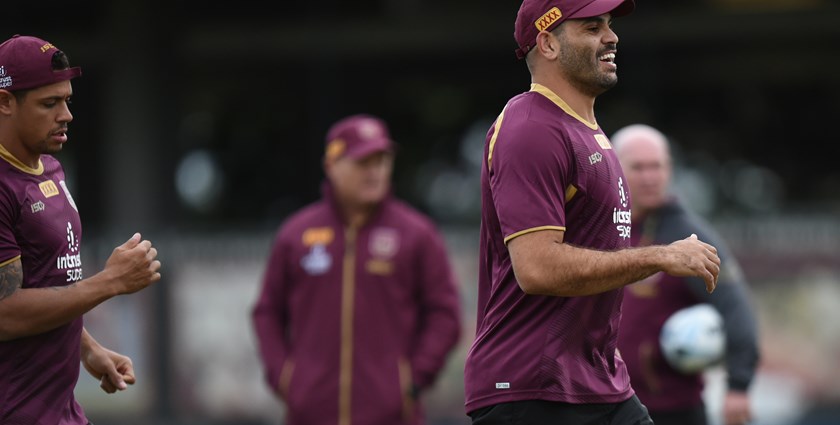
(583, 104)
(15, 154)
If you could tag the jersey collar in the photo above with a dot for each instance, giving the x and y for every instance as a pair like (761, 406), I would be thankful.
(545, 91)
(6, 155)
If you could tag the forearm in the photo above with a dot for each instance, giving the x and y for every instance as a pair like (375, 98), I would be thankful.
(87, 342)
(545, 265)
(565, 270)
(31, 311)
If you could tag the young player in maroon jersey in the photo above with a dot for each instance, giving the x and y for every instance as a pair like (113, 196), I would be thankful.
(42, 292)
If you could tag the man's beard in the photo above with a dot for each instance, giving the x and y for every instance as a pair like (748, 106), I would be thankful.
(585, 75)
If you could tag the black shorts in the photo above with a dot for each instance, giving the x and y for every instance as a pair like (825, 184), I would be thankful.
(691, 416)
(541, 412)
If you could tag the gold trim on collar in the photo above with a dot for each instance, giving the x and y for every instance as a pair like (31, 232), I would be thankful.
(496, 129)
(6, 155)
(545, 91)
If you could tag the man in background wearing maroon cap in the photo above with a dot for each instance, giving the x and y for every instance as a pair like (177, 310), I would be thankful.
(359, 307)
(42, 293)
(554, 232)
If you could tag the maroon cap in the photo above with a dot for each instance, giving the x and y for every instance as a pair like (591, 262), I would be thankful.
(27, 62)
(358, 136)
(544, 15)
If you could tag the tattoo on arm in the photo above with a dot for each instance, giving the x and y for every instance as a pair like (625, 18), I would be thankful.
(11, 277)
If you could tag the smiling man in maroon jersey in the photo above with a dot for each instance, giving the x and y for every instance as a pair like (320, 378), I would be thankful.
(554, 232)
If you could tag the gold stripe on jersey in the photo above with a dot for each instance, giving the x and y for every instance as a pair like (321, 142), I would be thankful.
(9, 261)
(570, 192)
(532, 230)
(19, 165)
(493, 139)
(545, 91)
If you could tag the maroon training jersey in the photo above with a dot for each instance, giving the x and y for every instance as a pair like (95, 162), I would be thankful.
(545, 167)
(39, 224)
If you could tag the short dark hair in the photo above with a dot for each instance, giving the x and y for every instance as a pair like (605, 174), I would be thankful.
(60, 61)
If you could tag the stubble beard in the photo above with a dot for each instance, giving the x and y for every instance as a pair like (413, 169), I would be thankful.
(582, 69)
(45, 147)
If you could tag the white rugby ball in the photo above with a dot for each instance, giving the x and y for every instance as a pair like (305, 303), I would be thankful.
(692, 339)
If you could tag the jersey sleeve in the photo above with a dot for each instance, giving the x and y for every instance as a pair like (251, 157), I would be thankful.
(9, 210)
(531, 169)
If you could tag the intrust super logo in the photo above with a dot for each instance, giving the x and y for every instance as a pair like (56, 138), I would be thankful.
(5, 80)
(549, 18)
(621, 216)
(71, 263)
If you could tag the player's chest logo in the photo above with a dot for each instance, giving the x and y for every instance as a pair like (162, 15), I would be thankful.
(38, 207)
(383, 245)
(621, 216)
(318, 261)
(384, 242)
(48, 188)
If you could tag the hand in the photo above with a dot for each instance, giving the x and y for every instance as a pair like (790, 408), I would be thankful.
(113, 370)
(133, 265)
(693, 257)
(736, 408)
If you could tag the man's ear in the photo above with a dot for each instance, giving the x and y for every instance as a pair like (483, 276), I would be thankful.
(6, 101)
(547, 45)
(327, 164)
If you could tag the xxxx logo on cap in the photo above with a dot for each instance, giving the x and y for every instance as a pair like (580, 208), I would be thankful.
(549, 18)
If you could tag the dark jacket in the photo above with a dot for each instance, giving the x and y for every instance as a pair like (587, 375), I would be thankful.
(648, 303)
